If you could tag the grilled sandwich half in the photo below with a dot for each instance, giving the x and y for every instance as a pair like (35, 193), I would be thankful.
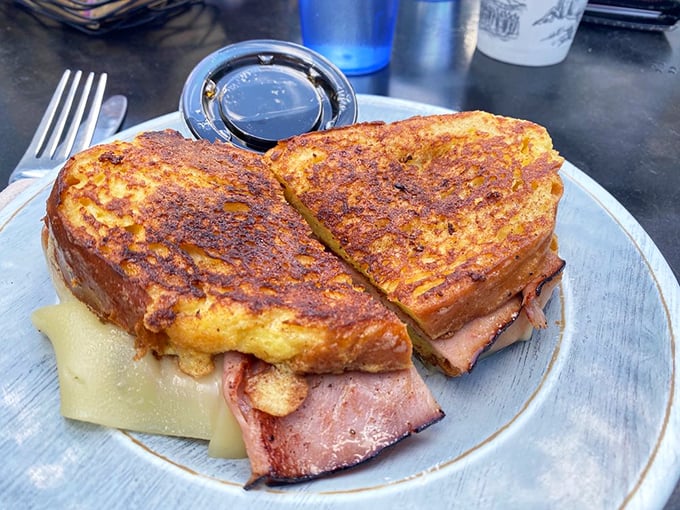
(192, 249)
(451, 217)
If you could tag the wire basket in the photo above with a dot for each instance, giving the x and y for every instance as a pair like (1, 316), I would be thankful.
(100, 16)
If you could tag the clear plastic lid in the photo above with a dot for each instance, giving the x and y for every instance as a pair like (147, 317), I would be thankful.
(258, 92)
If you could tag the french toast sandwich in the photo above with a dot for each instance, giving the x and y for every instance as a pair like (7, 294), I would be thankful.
(191, 248)
(310, 274)
(449, 216)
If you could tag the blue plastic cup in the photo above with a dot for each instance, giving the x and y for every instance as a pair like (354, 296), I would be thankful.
(356, 35)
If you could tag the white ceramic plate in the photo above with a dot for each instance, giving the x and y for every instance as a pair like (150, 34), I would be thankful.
(583, 416)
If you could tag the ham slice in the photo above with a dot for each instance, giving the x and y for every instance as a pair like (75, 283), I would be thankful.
(344, 420)
(511, 322)
(458, 353)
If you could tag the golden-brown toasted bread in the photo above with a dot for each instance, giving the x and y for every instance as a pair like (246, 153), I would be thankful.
(191, 247)
(449, 216)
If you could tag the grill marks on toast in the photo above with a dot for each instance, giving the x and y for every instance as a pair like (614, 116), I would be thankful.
(449, 216)
(192, 247)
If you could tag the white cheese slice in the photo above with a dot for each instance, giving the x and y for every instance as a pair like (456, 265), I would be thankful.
(100, 382)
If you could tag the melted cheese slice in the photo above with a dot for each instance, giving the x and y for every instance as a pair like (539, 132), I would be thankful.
(100, 382)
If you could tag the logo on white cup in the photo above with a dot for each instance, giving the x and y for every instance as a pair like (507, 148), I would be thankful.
(528, 32)
(502, 19)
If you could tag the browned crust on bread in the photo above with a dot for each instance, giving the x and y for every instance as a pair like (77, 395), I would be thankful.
(191, 247)
(449, 216)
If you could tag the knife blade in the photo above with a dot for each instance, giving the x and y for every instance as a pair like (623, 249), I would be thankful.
(110, 118)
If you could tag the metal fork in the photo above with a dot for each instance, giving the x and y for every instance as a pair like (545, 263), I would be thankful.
(43, 153)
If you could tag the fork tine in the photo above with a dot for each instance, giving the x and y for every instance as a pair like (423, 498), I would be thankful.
(91, 121)
(65, 148)
(43, 128)
(63, 117)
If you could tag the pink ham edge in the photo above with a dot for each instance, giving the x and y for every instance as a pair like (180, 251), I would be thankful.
(510, 323)
(346, 419)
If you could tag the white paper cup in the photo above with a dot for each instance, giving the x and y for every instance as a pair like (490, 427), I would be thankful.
(528, 32)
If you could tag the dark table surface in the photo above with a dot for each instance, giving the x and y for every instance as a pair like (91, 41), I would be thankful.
(612, 108)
